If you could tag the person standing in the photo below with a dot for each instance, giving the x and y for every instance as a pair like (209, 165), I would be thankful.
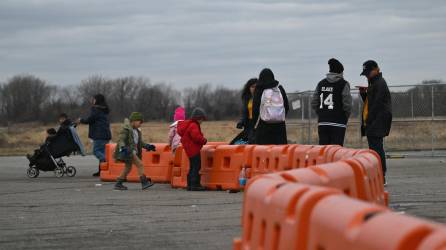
(174, 139)
(129, 150)
(246, 123)
(193, 141)
(377, 111)
(270, 107)
(98, 127)
(332, 102)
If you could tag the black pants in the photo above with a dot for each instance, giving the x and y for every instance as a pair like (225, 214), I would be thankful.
(331, 135)
(377, 144)
(193, 177)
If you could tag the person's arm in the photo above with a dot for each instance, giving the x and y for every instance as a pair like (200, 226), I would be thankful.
(256, 104)
(171, 135)
(285, 99)
(347, 102)
(378, 101)
(315, 100)
(122, 138)
(91, 118)
(196, 135)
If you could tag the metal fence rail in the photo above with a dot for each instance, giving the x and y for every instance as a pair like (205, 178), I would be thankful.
(418, 128)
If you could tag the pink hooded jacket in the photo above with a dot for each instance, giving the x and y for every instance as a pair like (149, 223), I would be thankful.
(174, 137)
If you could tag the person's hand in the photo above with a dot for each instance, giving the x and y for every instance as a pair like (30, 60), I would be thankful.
(124, 151)
(240, 125)
(362, 89)
(149, 147)
(78, 121)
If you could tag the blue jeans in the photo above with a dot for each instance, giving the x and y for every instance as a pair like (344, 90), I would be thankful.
(99, 149)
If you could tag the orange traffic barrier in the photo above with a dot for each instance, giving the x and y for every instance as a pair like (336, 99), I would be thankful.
(436, 240)
(335, 220)
(270, 159)
(180, 169)
(394, 231)
(260, 160)
(337, 175)
(222, 172)
(308, 155)
(370, 164)
(158, 165)
(115, 168)
(276, 214)
(281, 157)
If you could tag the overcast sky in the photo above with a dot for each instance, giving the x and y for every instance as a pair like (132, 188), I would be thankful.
(223, 42)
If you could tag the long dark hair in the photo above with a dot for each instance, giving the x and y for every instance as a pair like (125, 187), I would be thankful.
(100, 102)
(246, 93)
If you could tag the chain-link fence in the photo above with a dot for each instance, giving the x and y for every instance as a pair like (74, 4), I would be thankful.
(419, 120)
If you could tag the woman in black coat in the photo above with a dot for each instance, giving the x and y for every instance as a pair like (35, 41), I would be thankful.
(98, 127)
(247, 123)
(268, 133)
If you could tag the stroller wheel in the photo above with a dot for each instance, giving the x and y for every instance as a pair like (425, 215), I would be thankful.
(71, 171)
(59, 172)
(32, 172)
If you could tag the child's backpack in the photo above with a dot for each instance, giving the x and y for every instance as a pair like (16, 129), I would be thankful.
(272, 108)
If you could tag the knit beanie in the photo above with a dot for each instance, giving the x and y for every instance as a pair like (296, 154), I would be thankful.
(198, 113)
(136, 116)
(180, 114)
(335, 66)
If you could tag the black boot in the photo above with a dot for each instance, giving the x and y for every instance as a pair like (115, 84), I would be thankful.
(145, 183)
(120, 186)
(197, 188)
(97, 174)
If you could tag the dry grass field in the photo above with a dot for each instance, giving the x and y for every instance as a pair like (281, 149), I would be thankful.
(20, 139)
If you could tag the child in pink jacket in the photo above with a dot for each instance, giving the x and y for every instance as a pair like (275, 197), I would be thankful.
(174, 137)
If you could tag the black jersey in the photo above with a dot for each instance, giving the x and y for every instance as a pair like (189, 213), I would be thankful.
(331, 111)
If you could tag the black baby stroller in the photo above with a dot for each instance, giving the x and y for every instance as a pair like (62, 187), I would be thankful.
(49, 156)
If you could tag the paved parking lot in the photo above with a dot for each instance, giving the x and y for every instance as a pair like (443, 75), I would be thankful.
(81, 212)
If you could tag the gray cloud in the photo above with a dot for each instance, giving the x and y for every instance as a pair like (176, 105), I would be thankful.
(222, 42)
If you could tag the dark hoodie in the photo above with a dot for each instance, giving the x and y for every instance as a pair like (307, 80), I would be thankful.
(268, 133)
(98, 123)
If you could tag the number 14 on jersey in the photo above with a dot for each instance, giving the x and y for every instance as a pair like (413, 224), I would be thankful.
(327, 102)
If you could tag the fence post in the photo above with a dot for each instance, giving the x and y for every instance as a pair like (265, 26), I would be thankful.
(302, 108)
(411, 105)
(432, 121)
(309, 120)
(360, 119)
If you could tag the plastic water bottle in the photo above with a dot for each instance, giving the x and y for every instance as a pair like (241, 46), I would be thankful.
(242, 177)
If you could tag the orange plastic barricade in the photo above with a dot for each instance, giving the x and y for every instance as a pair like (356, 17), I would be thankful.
(223, 171)
(280, 157)
(180, 169)
(371, 165)
(260, 160)
(393, 231)
(339, 175)
(158, 164)
(115, 168)
(335, 219)
(307, 155)
(435, 241)
(276, 214)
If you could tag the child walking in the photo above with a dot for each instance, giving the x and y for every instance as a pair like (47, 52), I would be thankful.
(174, 137)
(129, 150)
(193, 140)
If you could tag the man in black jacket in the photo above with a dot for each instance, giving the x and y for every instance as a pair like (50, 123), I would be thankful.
(377, 112)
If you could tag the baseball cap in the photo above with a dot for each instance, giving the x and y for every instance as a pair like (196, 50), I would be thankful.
(368, 66)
